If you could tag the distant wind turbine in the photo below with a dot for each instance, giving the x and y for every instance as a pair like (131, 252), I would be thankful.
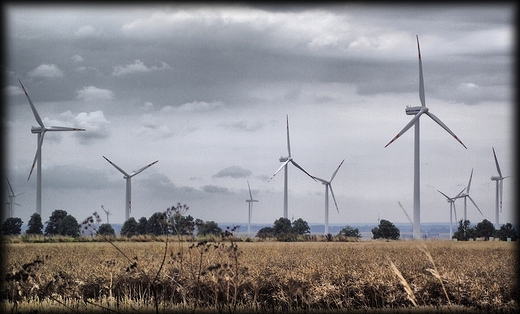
(106, 212)
(466, 195)
(128, 178)
(40, 130)
(250, 204)
(286, 161)
(328, 184)
(11, 198)
(451, 200)
(418, 111)
(499, 179)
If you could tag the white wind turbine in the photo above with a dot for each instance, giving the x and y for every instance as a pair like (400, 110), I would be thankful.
(106, 212)
(40, 130)
(499, 179)
(128, 178)
(286, 161)
(328, 184)
(466, 196)
(11, 198)
(451, 200)
(418, 111)
(250, 202)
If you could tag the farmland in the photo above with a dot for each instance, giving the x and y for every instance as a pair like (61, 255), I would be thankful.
(261, 276)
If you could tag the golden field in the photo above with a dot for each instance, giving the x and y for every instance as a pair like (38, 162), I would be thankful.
(400, 276)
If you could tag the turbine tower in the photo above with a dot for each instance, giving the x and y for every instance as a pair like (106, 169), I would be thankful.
(106, 212)
(328, 184)
(40, 130)
(128, 178)
(499, 179)
(11, 198)
(451, 200)
(418, 111)
(250, 204)
(466, 196)
(286, 161)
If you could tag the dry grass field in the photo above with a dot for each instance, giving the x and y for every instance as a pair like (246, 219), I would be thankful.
(400, 276)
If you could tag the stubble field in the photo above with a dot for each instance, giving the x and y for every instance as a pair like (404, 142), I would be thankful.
(233, 277)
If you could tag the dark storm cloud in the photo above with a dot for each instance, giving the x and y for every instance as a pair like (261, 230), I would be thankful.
(215, 189)
(233, 172)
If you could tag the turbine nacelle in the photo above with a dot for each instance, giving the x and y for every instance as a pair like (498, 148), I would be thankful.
(283, 159)
(494, 178)
(36, 129)
(412, 111)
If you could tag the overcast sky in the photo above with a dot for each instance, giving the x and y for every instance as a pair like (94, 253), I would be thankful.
(205, 90)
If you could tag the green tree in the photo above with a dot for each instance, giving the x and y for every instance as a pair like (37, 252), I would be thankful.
(182, 225)
(282, 226)
(69, 226)
(106, 229)
(157, 224)
(485, 229)
(300, 227)
(265, 232)
(129, 228)
(141, 225)
(35, 225)
(12, 226)
(386, 230)
(350, 232)
(54, 222)
(507, 231)
(207, 228)
(464, 231)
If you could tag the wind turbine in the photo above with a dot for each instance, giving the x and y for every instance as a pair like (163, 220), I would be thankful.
(11, 198)
(40, 130)
(466, 195)
(286, 161)
(106, 212)
(451, 200)
(499, 179)
(128, 178)
(418, 111)
(250, 204)
(328, 184)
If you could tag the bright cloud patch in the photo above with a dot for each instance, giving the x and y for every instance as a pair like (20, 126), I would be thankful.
(200, 106)
(151, 128)
(89, 93)
(95, 124)
(138, 67)
(46, 70)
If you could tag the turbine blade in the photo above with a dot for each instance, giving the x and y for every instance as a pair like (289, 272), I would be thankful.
(288, 141)
(334, 174)
(9, 185)
(469, 182)
(113, 164)
(496, 162)
(40, 142)
(36, 115)
(458, 195)
(63, 128)
(283, 165)
(250, 195)
(143, 168)
(446, 196)
(475, 205)
(298, 166)
(444, 126)
(409, 125)
(455, 211)
(421, 80)
(333, 197)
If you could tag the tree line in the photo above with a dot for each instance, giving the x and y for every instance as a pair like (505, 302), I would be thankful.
(173, 221)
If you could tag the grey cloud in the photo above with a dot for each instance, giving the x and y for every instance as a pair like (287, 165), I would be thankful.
(46, 70)
(233, 172)
(215, 189)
